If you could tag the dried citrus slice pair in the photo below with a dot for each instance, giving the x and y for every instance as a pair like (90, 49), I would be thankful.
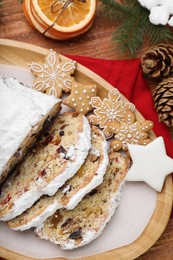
(61, 19)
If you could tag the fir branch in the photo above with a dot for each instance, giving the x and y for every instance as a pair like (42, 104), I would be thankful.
(131, 35)
(159, 33)
(114, 10)
(133, 25)
(132, 31)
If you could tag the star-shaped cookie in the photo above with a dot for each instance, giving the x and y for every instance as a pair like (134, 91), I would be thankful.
(53, 76)
(150, 163)
(80, 97)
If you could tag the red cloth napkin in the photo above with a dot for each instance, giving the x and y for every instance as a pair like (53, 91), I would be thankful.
(126, 76)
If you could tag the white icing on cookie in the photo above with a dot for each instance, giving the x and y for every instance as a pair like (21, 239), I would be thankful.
(53, 76)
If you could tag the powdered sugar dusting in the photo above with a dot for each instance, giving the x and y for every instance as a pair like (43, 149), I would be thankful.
(21, 109)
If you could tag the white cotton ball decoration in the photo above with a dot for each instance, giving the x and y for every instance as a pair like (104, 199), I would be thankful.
(159, 15)
(161, 11)
(170, 22)
(148, 3)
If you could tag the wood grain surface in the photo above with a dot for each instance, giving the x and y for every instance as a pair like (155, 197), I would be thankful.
(95, 43)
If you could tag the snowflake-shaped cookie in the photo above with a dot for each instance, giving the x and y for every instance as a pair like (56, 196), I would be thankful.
(111, 109)
(80, 97)
(161, 11)
(132, 132)
(53, 76)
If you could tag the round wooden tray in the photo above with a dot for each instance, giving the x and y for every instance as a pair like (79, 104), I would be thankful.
(20, 54)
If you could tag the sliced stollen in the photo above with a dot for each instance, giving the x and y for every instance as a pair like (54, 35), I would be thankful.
(56, 157)
(74, 228)
(24, 112)
(89, 176)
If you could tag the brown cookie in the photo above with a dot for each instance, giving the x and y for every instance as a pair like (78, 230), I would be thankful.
(110, 110)
(53, 76)
(132, 132)
(80, 97)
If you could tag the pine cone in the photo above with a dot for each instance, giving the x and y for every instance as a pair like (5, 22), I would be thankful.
(163, 99)
(158, 61)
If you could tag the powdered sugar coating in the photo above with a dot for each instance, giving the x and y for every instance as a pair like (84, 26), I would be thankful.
(77, 227)
(57, 202)
(90, 235)
(27, 199)
(21, 109)
(36, 221)
(97, 179)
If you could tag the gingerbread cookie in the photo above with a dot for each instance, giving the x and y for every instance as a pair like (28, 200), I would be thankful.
(131, 131)
(110, 110)
(80, 97)
(54, 75)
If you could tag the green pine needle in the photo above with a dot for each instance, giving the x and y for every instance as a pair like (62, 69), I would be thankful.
(133, 25)
(114, 10)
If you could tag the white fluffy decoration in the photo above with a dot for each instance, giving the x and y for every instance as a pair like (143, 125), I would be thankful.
(161, 11)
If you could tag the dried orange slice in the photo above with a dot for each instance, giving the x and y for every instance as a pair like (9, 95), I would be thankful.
(33, 22)
(61, 19)
(27, 13)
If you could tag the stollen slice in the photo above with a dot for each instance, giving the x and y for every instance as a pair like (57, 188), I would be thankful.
(74, 228)
(24, 114)
(57, 157)
(89, 176)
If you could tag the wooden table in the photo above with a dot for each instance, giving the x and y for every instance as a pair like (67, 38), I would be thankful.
(95, 43)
